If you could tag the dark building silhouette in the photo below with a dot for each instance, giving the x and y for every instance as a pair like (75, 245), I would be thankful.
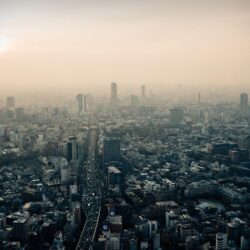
(111, 149)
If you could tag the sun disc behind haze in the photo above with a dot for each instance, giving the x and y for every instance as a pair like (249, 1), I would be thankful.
(4, 44)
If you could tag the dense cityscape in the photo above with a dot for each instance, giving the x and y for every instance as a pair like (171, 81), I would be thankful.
(125, 173)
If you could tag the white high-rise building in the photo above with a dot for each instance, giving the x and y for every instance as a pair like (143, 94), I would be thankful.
(221, 241)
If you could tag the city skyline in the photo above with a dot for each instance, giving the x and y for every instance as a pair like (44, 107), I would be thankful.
(124, 125)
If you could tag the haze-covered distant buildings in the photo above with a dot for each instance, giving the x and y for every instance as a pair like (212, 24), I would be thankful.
(244, 108)
(165, 176)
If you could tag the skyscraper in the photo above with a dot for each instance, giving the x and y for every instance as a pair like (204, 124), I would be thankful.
(20, 229)
(243, 103)
(111, 149)
(80, 151)
(113, 93)
(72, 149)
(77, 213)
(221, 241)
(79, 99)
(10, 102)
(88, 103)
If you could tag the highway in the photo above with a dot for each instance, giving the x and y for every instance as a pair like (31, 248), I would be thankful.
(92, 198)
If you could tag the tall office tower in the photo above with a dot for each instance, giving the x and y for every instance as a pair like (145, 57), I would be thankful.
(79, 100)
(221, 241)
(81, 151)
(68, 229)
(134, 100)
(176, 116)
(88, 102)
(199, 98)
(72, 149)
(77, 213)
(10, 102)
(20, 230)
(113, 93)
(143, 91)
(111, 149)
(85, 103)
(244, 103)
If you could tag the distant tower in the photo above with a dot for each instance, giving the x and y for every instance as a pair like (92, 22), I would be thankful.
(244, 103)
(85, 103)
(10, 102)
(79, 99)
(113, 93)
(199, 98)
(143, 91)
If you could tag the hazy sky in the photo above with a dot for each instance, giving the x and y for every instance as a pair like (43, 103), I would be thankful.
(88, 44)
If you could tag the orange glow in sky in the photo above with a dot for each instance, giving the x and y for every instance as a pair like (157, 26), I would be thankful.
(91, 43)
